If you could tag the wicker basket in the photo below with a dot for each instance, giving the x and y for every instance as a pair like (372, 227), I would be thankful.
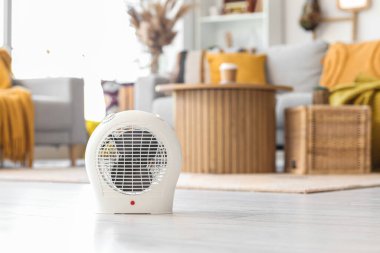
(321, 139)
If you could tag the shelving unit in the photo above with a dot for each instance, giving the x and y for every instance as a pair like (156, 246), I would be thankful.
(250, 30)
(233, 18)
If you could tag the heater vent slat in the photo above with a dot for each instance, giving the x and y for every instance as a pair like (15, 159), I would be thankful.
(131, 159)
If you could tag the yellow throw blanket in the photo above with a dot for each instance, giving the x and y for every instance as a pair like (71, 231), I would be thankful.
(365, 90)
(16, 117)
(343, 62)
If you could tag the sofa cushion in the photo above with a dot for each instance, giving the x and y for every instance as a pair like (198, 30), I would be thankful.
(299, 66)
(52, 138)
(51, 114)
(194, 67)
(288, 100)
(251, 68)
(164, 108)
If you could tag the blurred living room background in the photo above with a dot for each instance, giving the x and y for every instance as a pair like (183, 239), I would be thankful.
(275, 103)
(59, 46)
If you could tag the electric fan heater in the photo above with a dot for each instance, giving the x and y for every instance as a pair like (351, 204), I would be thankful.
(133, 160)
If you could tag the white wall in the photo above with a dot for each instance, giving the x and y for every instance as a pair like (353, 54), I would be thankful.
(184, 41)
(368, 24)
(368, 27)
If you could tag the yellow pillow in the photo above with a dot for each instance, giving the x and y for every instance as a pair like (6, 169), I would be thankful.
(251, 68)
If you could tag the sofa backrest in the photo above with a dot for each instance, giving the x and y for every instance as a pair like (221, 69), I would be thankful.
(299, 66)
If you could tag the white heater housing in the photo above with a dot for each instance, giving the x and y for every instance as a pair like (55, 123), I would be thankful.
(133, 161)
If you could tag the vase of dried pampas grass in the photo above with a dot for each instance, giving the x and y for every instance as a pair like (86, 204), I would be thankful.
(154, 21)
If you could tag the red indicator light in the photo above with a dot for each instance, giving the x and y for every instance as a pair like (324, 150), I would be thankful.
(132, 202)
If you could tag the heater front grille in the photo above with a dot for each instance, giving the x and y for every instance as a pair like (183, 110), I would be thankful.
(131, 159)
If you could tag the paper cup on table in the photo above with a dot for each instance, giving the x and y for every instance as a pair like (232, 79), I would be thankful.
(228, 73)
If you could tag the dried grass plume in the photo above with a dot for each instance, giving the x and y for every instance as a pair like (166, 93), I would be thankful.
(154, 21)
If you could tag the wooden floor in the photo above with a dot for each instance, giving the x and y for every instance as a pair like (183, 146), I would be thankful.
(47, 217)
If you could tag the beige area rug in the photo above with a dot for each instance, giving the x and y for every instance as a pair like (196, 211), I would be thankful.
(279, 183)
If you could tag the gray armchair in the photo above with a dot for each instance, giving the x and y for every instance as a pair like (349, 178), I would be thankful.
(59, 111)
(147, 99)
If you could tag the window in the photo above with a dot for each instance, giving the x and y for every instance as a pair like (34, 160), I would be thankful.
(90, 39)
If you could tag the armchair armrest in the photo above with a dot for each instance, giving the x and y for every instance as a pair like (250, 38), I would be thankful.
(145, 91)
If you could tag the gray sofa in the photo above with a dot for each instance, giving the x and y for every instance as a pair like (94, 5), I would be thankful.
(298, 66)
(59, 111)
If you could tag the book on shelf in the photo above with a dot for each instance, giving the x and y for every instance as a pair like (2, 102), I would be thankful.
(235, 7)
(242, 6)
(259, 6)
(251, 5)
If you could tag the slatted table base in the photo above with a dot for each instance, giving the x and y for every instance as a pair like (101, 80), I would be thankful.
(226, 130)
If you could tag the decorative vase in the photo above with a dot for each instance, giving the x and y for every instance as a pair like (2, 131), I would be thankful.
(311, 15)
(155, 63)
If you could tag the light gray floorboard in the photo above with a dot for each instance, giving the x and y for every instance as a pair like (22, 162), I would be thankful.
(46, 217)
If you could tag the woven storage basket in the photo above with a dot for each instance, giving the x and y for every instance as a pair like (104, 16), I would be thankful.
(321, 139)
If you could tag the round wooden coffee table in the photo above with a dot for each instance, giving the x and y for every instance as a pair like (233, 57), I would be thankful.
(226, 128)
